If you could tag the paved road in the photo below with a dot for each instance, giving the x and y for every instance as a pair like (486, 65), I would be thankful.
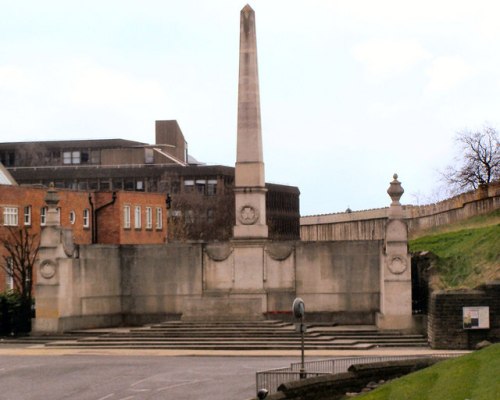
(92, 377)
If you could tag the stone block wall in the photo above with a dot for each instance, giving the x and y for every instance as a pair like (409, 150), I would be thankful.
(445, 320)
(370, 224)
(339, 281)
(135, 284)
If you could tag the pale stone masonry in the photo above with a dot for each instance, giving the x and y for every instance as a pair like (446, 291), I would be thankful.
(250, 191)
(395, 274)
(248, 278)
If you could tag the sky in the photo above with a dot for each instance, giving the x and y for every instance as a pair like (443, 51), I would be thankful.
(351, 91)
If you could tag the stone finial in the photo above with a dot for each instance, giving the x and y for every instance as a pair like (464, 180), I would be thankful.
(52, 198)
(395, 190)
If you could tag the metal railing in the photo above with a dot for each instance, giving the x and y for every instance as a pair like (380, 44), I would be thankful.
(272, 378)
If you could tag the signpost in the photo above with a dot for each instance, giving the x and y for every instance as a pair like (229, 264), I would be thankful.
(299, 310)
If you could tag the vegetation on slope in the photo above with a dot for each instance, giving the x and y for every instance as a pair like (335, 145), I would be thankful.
(468, 252)
(473, 376)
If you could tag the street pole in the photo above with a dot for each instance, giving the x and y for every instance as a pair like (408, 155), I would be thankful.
(299, 310)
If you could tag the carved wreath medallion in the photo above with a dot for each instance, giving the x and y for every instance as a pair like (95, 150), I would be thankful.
(48, 268)
(397, 265)
(248, 215)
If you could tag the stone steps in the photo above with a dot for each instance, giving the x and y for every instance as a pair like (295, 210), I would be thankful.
(260, 335)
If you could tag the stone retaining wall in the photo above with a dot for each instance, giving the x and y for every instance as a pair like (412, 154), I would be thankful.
(445, 321)
(370, 224)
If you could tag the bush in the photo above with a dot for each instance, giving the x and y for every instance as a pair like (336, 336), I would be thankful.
(15, 314)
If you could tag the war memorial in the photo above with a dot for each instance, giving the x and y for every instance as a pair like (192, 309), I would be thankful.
(247, 278)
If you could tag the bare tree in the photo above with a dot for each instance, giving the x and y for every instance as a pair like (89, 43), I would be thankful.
(21, 251)
(478, 161)
(197, 217)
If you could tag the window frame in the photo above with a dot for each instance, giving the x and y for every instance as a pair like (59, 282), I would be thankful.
(10, 216)
(149, 218)
(43, 216)
(9, 274)
(159, 218)
(137, 217)
(27, 215)
(126, 217)
(72, 217)
(86, 218)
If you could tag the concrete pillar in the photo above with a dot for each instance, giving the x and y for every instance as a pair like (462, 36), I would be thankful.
(395, 286)
(54, 291)
(250, 188)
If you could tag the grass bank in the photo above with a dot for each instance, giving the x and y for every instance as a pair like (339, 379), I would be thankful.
(474, 376)
(468, 253)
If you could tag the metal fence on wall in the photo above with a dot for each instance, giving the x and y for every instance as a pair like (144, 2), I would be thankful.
(271, 379)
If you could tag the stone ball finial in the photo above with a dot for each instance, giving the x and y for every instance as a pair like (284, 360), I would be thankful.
(395, 190)
(51, 198)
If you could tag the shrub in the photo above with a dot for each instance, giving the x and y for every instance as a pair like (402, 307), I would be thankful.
(15, 314)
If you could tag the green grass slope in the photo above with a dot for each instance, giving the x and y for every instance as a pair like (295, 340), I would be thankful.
(469, 252)
(475, 376)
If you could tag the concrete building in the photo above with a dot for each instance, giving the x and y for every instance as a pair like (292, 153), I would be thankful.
(201, 195)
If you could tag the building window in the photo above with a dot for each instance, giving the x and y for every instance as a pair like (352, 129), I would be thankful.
(126, 217)
(105, 185)
(71, 157)
(188, 186)
(137, 217)
(86, 218)
(189, 217)
(149, 157)
(149, 218)
(212, 187)
(67, 157)
(27, 216)
(72, 217)
(159, 218)
(129, 185)
(43, 216)
(8, 159)
(200, 185)
(9, 281)
(139, 186)
(84, 157)
(117, 184)
(10, 216)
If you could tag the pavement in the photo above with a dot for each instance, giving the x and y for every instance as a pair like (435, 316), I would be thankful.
(40, 350)
(35, 372)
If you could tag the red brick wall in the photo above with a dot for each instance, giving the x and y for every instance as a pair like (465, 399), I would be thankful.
(142, 235)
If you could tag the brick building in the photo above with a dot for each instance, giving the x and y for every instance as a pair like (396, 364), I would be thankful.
(94, 217)
(202, 195)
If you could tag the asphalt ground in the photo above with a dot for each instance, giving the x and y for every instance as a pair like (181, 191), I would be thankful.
(38, 373)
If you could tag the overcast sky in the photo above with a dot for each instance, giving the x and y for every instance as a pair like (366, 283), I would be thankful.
(351, 91)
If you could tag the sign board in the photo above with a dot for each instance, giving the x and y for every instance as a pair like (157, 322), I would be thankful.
(298, 308)
(476, 317)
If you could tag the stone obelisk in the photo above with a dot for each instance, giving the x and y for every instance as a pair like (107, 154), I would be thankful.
(250, 188)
